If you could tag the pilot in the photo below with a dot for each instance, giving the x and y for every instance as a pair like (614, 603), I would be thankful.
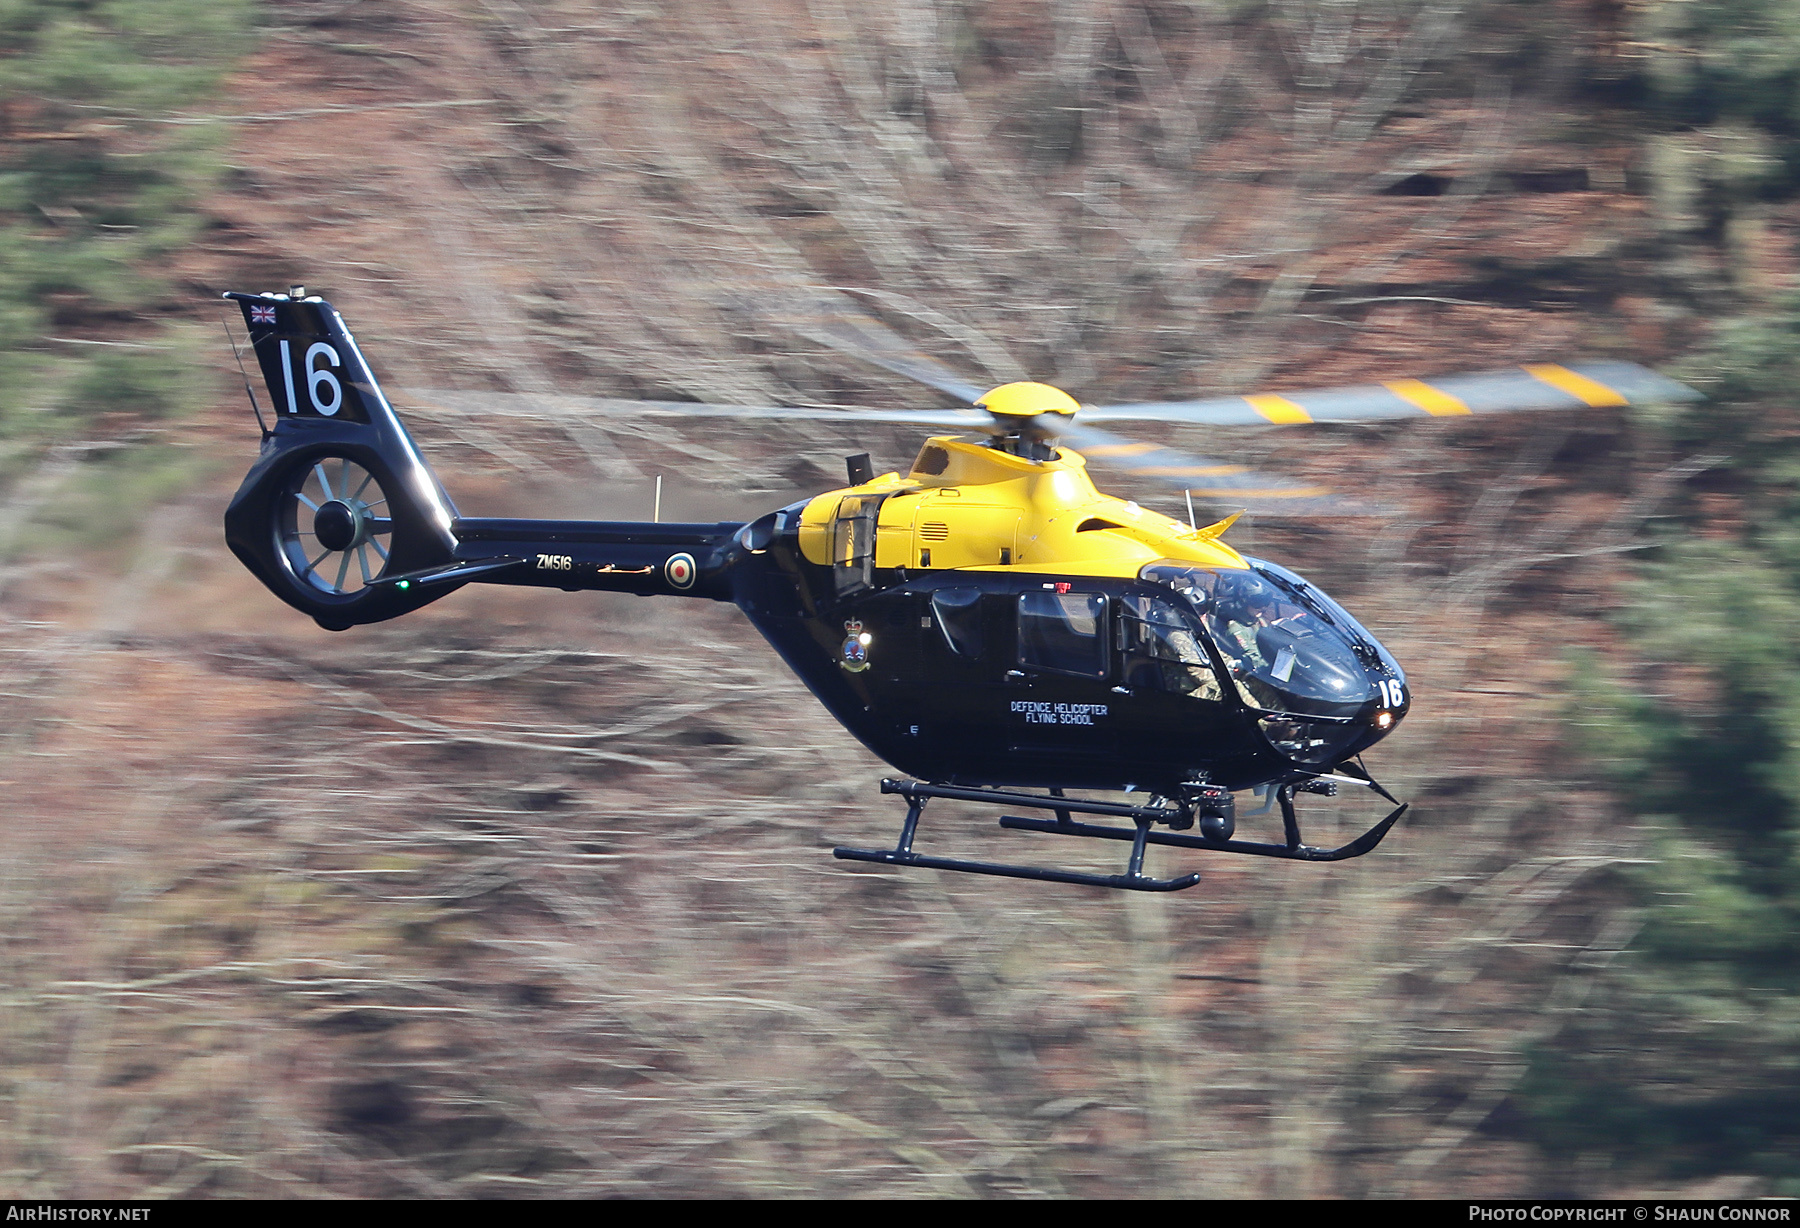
(1240, 611)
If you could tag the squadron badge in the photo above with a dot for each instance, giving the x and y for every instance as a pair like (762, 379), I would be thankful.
(854, 656)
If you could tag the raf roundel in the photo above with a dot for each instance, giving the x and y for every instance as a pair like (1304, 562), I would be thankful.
(679, 571)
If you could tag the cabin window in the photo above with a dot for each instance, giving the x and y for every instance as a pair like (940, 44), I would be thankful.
(958, 614)
(1163, 651)
(1064, 633)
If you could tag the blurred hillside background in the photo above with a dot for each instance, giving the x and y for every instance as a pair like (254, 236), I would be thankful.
(522, 897)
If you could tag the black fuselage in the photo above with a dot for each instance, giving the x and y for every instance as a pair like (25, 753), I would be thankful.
(947, 675)
(990, 720)
(964, 690)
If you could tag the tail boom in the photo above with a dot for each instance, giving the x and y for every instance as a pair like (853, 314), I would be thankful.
(342, 518)
(646, 558)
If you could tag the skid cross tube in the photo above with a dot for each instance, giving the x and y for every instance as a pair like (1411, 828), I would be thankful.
(917, 794)
(1057, 802)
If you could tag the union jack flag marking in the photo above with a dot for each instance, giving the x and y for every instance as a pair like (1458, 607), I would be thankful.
(262, 315)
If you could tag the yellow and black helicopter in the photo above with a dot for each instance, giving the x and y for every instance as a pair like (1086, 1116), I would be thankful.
(986, 622)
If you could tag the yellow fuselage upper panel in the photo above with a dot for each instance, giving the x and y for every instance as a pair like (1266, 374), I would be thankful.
(966, 505)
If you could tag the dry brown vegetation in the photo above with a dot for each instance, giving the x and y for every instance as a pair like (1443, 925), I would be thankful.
(532, 897)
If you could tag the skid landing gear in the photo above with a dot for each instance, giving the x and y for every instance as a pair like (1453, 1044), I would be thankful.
(1180, 815)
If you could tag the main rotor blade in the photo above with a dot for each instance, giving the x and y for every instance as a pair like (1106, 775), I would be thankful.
(531, 405)
(1212, 481)
(873, 342)
(1534, 386)
(1208, 480)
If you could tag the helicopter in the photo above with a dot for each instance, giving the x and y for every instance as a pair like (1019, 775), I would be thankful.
(988, 622)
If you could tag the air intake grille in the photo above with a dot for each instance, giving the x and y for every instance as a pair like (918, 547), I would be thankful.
(931, 531)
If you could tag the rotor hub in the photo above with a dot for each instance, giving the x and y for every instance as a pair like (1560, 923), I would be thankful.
(338, 525)
(1025, 400)
(1026, 416)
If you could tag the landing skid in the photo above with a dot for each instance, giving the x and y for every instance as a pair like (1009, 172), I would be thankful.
(917, 793)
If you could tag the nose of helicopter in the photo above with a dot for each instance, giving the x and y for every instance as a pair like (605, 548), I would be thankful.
(1314, 733)
(1321, 687)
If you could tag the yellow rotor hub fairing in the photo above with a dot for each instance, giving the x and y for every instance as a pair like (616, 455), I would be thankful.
(1026, 399)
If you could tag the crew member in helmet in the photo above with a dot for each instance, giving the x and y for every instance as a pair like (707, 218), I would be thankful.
(1240, 609)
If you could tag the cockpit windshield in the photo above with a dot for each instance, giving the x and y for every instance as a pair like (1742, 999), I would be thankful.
(1288, 647)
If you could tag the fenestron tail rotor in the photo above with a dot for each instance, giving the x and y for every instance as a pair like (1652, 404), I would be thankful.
(334, 525)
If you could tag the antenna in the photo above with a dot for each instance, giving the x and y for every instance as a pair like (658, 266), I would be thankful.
(656, 511)
(255, 408)
(1190, 499)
